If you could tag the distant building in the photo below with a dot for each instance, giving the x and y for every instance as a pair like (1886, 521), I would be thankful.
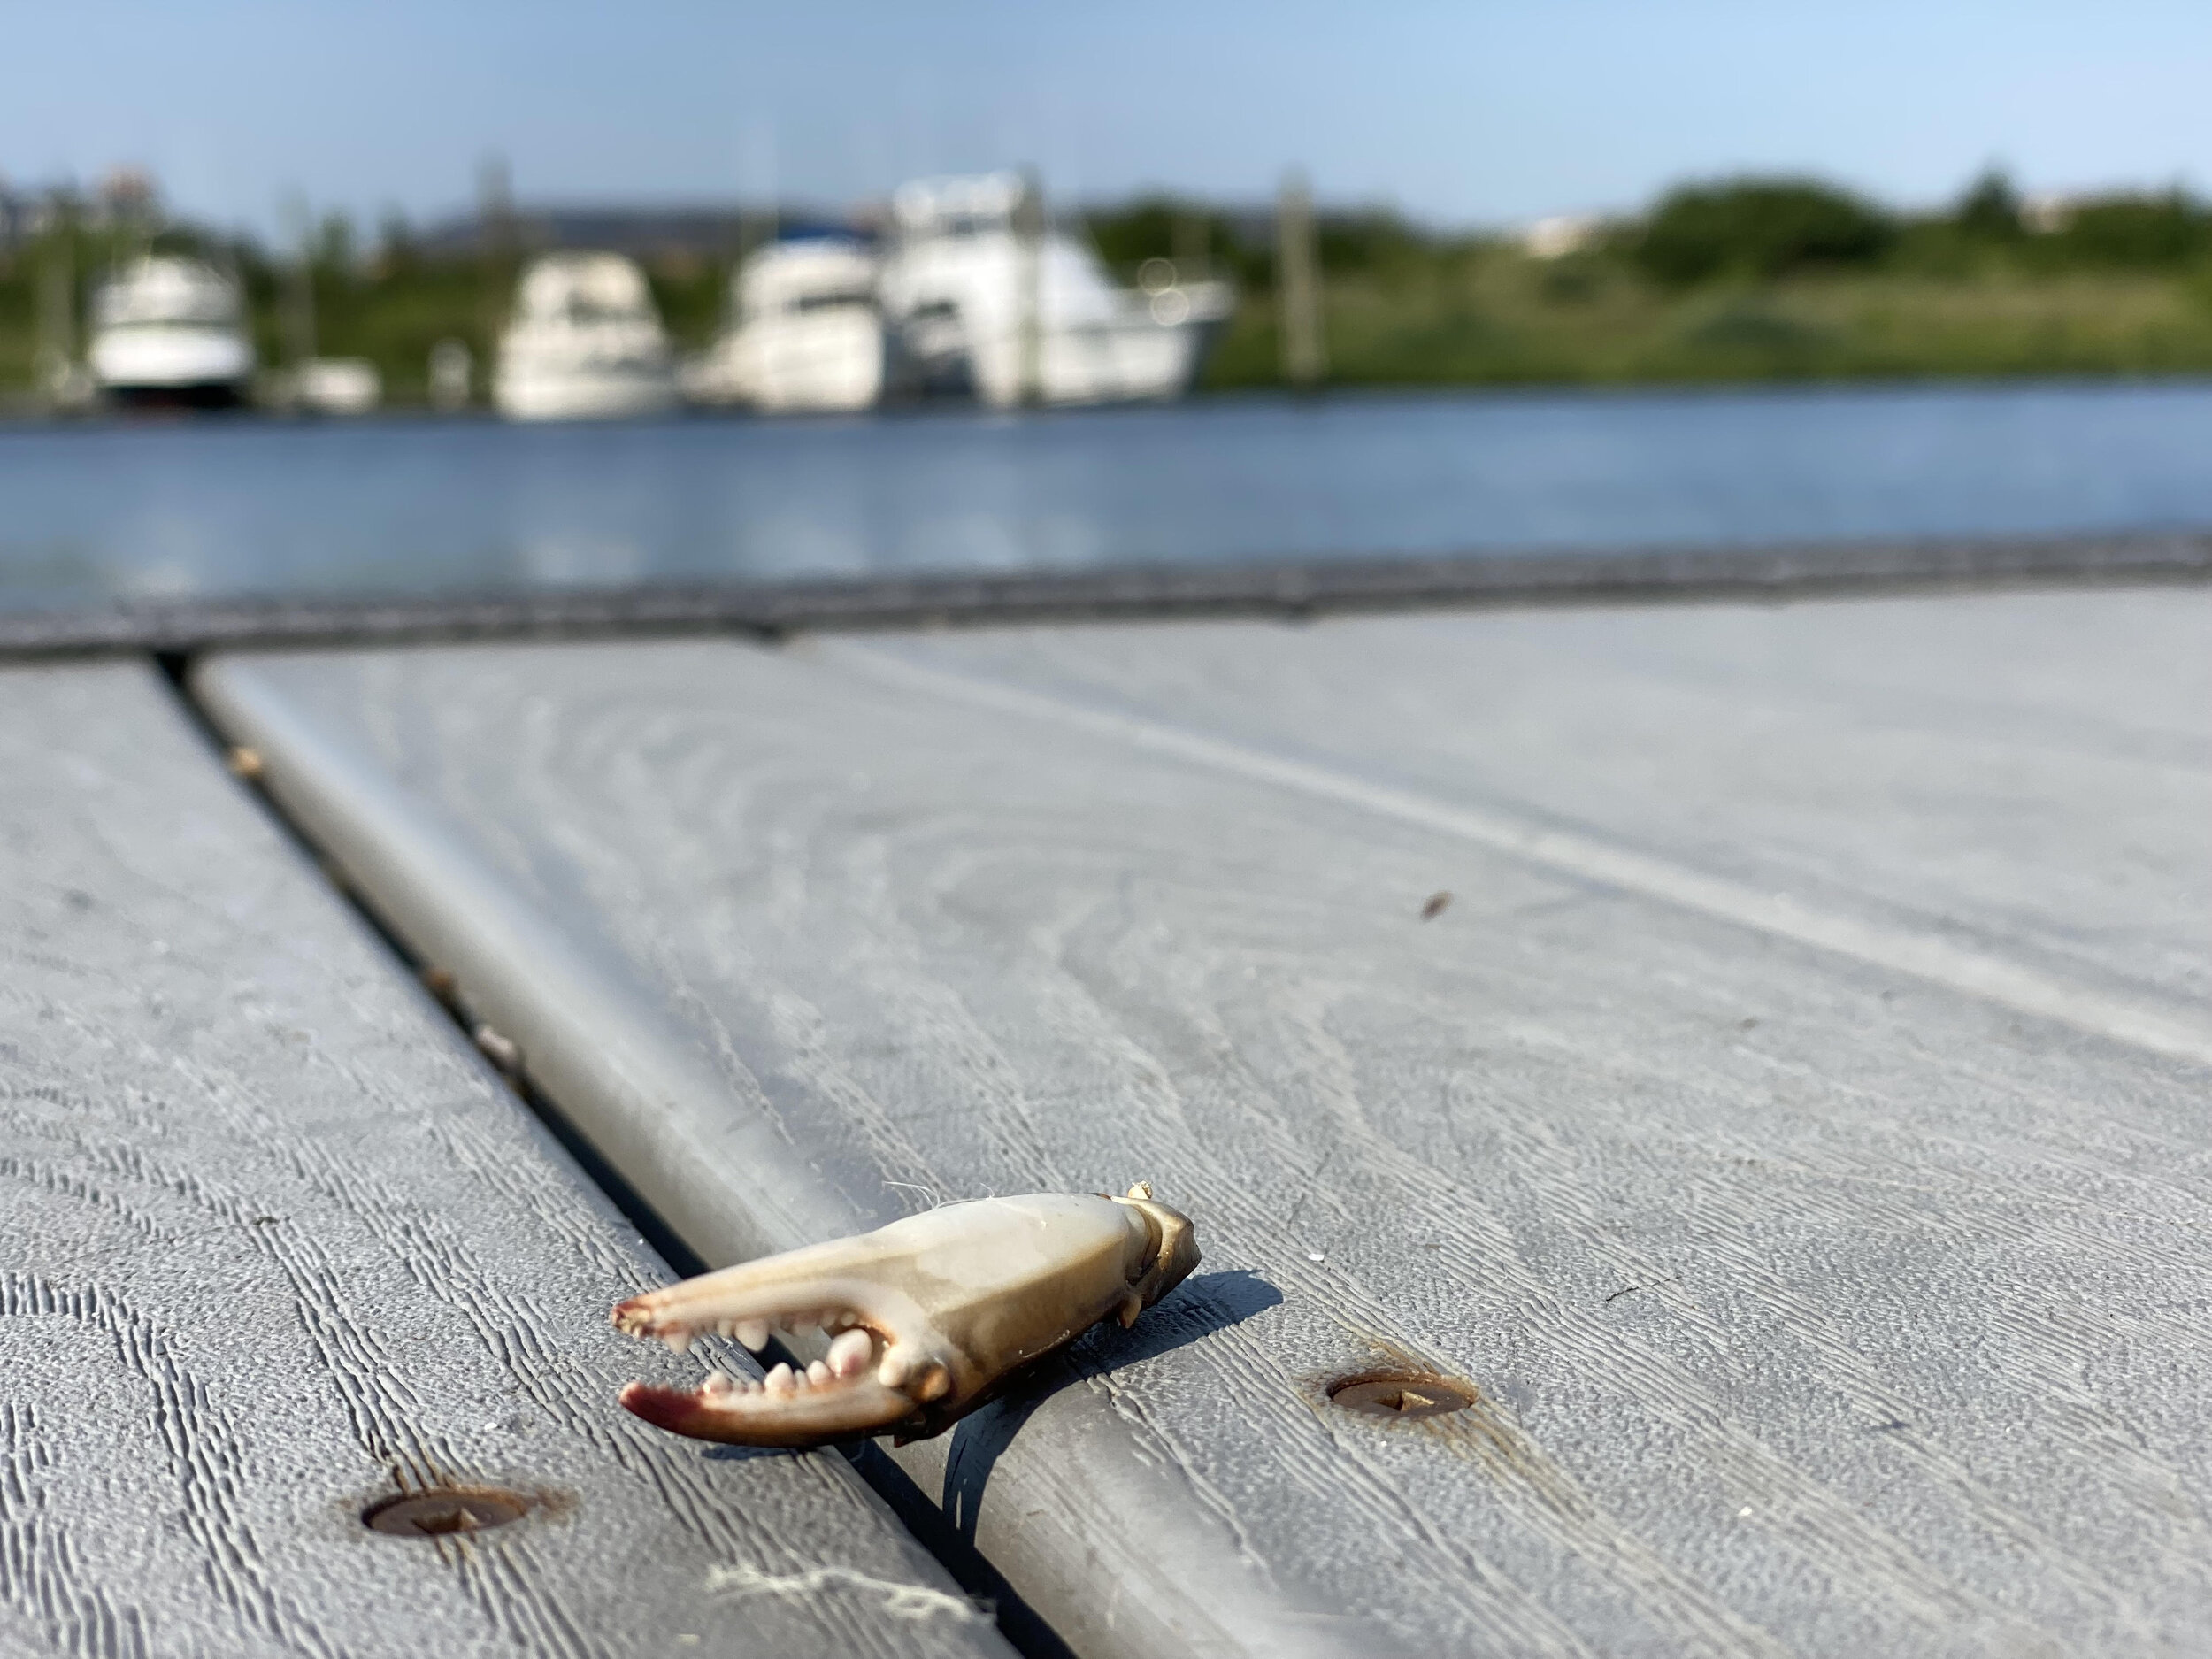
(1562, 234)
(2048, 212)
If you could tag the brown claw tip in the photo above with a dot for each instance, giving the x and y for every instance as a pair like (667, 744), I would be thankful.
(671, 1408)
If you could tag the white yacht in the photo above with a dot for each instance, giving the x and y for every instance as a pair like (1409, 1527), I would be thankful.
(805, 332)
(167, 329)
(978, 303)
(584, 343)
(334, 386)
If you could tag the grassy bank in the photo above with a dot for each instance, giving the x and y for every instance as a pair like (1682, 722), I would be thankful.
(1500, 319)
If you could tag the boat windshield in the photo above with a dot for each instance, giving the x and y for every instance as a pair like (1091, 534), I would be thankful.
(834, 299)
(582, 308)
(164, 293)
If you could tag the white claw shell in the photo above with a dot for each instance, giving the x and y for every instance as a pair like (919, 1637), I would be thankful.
(921, 1318)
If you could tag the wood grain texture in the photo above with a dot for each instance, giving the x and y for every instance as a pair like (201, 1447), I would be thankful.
(2023, 776)
(1815, 1307)
(274, 1244)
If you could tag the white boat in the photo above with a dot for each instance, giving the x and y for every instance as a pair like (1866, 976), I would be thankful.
(805, 334)
(334, 386)
(978, 303)
(167, 329)
(584, 343)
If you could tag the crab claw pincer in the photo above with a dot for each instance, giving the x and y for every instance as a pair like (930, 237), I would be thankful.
(924, 1319)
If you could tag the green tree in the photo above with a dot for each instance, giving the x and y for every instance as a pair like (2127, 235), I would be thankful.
(2135, 232)
(1990, 210)
(1760, 228)
(1377, 240)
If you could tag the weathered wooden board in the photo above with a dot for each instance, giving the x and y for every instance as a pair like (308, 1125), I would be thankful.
(275, 1244)
(1815, 1306)
(2019, 777)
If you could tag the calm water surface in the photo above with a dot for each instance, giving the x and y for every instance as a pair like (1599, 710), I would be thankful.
(94, 514)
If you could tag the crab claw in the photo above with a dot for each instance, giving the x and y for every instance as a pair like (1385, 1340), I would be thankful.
(925, 1318)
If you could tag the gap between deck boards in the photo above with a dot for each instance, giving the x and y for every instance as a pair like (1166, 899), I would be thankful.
(1021, 1626)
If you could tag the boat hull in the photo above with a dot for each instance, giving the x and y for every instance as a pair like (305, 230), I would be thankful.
(180, 367)
(198, 394)
(529, 393)
(1133, 360)
(824, 363)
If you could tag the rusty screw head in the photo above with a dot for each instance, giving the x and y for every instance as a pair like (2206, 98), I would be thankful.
(1402, 1395)
(443, 1511)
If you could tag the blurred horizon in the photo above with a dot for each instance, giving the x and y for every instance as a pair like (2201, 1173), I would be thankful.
(1449, 116)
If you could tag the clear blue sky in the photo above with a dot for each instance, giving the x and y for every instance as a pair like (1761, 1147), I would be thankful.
(1459, 113)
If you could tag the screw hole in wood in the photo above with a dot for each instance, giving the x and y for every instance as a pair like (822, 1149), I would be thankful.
(1401, 1395)
(445, 1511)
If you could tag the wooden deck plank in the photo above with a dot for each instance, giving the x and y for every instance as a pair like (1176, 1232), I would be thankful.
(274, 1243)
(2027, 776)
(1815, 1306)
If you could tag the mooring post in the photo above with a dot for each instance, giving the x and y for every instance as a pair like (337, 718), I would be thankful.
(1298, 284)
(1029, 240)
